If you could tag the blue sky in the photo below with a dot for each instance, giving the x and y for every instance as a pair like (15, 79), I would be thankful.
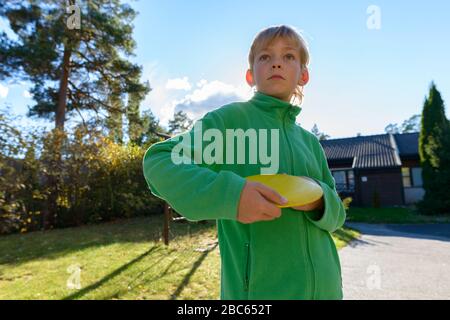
(194, 54)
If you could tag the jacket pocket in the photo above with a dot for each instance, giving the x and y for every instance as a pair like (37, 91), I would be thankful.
(246, 266)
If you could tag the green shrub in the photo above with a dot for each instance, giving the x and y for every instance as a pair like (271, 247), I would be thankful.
(58, 179)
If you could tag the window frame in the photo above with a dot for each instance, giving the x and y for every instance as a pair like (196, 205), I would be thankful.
(346, 171)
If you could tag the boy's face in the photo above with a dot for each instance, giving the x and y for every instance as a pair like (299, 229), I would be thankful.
(277, 70)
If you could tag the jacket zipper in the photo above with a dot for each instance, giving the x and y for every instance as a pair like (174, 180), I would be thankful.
(305, 222)
(247, 266)
(289, 144)
(310, 261)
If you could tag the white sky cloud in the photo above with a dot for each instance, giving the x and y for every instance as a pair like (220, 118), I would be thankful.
(179, 84)
(209, 96)
(195, 100)
(201, 83)
(3, 91)
(159, 99)
(4, 26)
(27, 94)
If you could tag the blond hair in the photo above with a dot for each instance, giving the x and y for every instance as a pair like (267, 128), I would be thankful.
(265, 37)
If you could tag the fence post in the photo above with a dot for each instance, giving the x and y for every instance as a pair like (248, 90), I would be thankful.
(167, 219)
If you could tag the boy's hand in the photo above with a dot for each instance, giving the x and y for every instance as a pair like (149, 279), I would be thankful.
(257, 203)
(316, 205)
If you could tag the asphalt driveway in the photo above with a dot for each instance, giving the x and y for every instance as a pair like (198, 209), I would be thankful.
(392, 261)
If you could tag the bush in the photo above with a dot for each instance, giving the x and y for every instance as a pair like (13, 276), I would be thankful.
(16, 211)
(58, 179)
(346, 202)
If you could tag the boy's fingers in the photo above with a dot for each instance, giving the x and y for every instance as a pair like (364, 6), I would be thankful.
(270, 209)
(270, 194)
(266, 217)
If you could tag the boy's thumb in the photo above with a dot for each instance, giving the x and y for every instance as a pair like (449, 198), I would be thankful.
(271, 194)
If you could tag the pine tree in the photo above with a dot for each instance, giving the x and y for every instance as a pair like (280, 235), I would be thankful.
(136, 123)
(320, 135)
(180, 122)
(152, 130)
(114, 120)
(73, 52)
(434, 144)
(76, 56)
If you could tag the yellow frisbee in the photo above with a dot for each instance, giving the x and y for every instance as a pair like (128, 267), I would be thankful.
(298, 190)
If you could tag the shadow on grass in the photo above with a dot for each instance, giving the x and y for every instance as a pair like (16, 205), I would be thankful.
(21, 248)
(110, 276)
(187, 278)
(165, 272)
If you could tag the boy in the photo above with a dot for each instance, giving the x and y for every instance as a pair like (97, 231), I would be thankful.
(266, 252)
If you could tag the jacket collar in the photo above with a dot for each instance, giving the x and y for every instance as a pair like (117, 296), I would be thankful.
(275, 106)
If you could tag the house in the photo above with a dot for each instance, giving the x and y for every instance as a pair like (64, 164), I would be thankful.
(379, 169)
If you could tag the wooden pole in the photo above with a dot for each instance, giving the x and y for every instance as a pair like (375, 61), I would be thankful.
(167, 208)
(167, 219)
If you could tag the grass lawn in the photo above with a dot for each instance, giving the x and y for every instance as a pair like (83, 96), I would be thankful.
(118, 260)
(392, 215)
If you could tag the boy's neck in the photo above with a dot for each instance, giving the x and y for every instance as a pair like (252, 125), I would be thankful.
(286, 99)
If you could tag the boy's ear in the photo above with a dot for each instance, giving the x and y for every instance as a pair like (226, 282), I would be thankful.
(249, 78)
(304, 79)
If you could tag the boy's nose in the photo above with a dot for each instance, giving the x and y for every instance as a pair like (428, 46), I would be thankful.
(276, 66)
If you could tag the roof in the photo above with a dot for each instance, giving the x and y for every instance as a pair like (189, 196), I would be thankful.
(375, 151)
(408, 143)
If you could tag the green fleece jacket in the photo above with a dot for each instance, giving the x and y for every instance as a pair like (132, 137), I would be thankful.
(291, 257)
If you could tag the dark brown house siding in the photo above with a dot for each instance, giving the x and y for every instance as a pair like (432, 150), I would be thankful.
(410, 162)
(387, 183)
(388, 162)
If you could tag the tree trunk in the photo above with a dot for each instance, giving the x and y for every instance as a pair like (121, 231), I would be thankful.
(62, 96)
(52, 206)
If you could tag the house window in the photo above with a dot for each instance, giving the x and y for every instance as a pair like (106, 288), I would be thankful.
(417, 176)
(345, 180)
(351, 179)
(406, 175)
(339, 177)
(412, 177)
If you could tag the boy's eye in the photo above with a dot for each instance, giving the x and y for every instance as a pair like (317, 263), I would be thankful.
(290, 56)
(264, 57)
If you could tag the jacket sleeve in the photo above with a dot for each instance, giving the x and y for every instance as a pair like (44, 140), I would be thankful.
(333, 215)
(194, 189)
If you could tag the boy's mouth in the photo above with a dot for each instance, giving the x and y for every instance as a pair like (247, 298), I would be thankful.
(276, 76)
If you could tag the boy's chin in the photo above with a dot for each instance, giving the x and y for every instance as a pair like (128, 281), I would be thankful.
(279, 95)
